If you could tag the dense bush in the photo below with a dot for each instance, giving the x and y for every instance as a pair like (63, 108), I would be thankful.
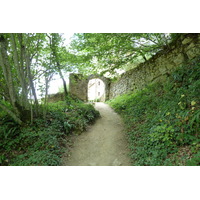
(43, 142)
(163, 120)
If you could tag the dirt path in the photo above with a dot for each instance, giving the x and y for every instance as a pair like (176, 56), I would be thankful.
(103, 144)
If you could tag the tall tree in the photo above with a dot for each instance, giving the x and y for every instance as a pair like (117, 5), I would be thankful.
(17, 52)
(55, 41)
(8, 79)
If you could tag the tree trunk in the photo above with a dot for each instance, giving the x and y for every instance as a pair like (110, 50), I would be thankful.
(12, 114)
(47, 80)
(63, 79)
(30, 78)
(20, 72)
(4, 62)
(32, 84)
(54, 52)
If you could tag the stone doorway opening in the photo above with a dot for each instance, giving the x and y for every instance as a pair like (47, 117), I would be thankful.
(96, 90)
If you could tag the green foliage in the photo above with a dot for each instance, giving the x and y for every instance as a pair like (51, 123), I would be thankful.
(114, 51)
(43, 142)
(162, 121)
(28, 62)
(195, 161)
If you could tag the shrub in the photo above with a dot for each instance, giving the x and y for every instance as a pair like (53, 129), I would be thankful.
(43, 142)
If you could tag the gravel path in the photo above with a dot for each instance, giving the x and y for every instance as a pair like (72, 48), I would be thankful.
(103, 144)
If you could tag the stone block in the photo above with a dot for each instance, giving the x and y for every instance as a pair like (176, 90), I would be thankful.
(193, 52)
(186, 41)
(179, 59)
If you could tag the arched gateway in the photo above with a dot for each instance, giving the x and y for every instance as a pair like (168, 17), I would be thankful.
(79, 86)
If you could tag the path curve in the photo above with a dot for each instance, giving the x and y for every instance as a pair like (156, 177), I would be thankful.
(103, 144)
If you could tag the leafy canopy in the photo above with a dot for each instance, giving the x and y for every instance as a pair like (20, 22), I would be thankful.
(106, 52)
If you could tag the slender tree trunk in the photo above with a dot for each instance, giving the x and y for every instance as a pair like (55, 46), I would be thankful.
(32, 85)
(63, 79)
(31, 106)
(22, 58)
(28, 68)
(12, 114)
(4, 62)
(23, 70)
(45, 99)
(20, 72)
(47, 80)
(54, 52)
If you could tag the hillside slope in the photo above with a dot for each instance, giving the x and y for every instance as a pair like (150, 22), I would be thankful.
(43, 142)
(163, 120)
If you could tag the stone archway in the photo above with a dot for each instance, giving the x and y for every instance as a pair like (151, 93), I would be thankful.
(78, 85)
(96, 90)
(106, 82)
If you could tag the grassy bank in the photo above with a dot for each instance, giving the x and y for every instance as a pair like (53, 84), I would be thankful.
(163, 120)
(43, 142)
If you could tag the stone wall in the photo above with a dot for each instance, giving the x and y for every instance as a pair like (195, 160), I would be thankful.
(78, 85)
(155, 69)
(52, 98)
(159, 66)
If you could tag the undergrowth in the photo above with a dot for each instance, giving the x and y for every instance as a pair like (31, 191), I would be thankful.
(43, 142)
(163, 120)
